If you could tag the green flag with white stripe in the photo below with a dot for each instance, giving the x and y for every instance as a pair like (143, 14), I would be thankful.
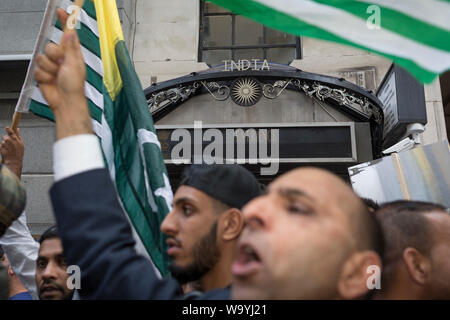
(120, 118)
(415, 34)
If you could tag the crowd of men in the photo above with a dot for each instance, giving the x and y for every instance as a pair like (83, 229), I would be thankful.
(307, 235)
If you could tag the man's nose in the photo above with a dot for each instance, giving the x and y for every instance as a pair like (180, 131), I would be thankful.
(50, 271)
(258, 213)
(169, 224)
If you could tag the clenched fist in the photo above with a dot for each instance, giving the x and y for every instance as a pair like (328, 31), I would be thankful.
(12, 150)
(61, 73)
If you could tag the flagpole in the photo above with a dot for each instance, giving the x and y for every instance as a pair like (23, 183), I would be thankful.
(15, 121)
(18, 115)
(79, 4)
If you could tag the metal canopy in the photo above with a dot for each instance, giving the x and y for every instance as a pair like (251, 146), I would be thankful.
(247, 87)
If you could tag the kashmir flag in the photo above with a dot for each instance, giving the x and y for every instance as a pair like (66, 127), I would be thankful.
(120, 117)
(415, 34)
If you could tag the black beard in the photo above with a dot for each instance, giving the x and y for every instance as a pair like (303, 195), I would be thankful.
(67, 296)
(206, 254)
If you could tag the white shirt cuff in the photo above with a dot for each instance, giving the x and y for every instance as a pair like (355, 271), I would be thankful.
(76, 154)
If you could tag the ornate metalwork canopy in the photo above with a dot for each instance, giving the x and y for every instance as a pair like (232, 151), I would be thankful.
(246, 88)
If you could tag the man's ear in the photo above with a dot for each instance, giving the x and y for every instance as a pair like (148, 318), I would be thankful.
(231, 223)
(360, 273)
(417, 265)
(11, 271)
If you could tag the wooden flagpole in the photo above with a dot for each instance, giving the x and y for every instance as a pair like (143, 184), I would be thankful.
(15, 121)
(18, 115)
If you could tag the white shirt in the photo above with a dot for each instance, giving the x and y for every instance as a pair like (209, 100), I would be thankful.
(70, 156)
(22, 251)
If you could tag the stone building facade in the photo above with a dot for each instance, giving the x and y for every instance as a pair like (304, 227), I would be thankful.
(163, 38)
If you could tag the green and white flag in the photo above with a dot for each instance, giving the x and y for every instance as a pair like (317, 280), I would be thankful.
(120, 117)
(415, 34)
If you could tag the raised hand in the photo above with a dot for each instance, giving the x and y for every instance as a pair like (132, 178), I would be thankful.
(12, 150)
(61, 73)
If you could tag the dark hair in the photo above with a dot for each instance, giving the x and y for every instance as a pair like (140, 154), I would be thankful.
(219, 206)
(2, 252)
(371, 204)
(50, 233)
(367, 229)
(403, 224)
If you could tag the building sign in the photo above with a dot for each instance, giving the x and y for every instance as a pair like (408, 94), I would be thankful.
(388, 96)
(244, 65)
(263, 144)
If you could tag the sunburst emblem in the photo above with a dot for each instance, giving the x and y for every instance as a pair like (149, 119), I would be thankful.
(246, 91)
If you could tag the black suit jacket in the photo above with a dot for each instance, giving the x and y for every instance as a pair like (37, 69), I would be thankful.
(97, 237)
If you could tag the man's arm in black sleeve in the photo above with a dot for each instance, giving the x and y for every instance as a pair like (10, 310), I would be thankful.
(97, 237)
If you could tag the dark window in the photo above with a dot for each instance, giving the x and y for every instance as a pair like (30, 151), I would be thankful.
(227, 36)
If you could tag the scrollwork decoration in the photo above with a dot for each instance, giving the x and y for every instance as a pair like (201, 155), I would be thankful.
(272, 91)
(161, 99)
(218, 91)
(341, 96)
(247, 92)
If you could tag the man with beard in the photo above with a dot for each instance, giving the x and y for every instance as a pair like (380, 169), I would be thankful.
(205, 222)
(417, 255)
(51, 268)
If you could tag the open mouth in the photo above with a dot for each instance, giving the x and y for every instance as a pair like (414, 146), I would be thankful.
(247, 261)
(174, 246)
